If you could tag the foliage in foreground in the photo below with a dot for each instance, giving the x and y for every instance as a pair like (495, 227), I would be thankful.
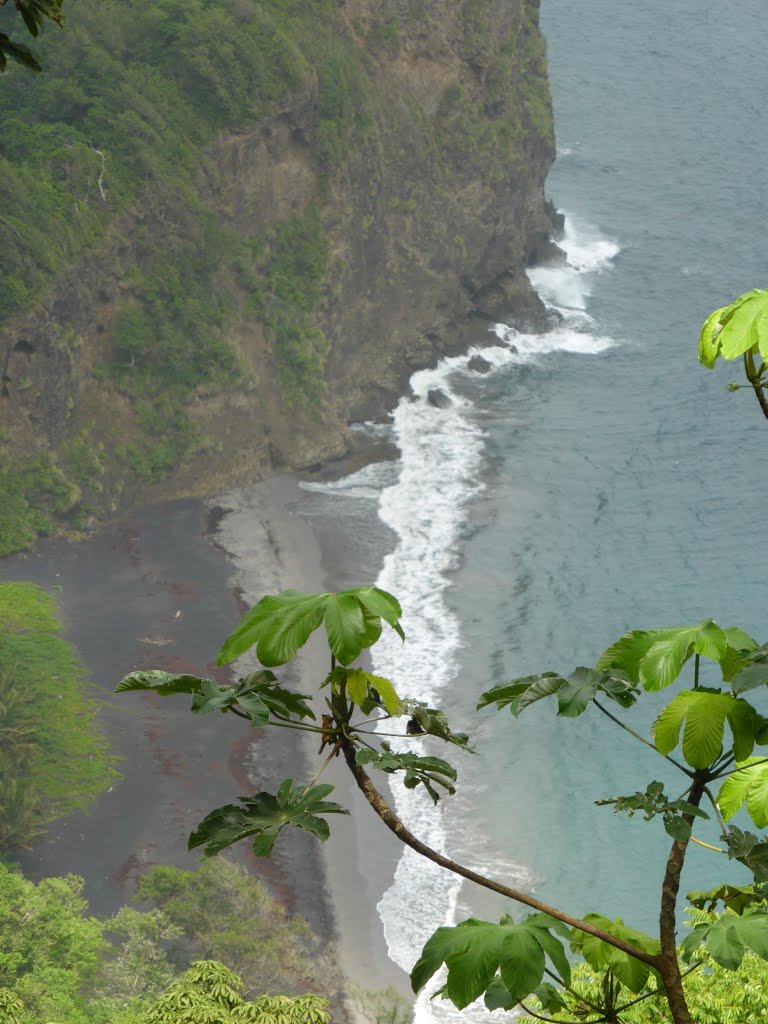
(716, 995)
(61, 964)
(53, 758)
(740, 329)
(710, 733)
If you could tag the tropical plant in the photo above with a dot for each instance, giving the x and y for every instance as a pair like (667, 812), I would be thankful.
(740, 329)
(53, 759)
(222, 912)
(209, 993)
(717, 995)
(707, 732)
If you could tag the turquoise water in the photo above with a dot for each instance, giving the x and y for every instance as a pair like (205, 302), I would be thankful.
(598, 479)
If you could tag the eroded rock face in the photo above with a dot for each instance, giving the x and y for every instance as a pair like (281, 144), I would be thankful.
(431, 216)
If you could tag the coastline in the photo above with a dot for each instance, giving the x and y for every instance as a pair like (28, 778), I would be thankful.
(162, 587)
(273, 547)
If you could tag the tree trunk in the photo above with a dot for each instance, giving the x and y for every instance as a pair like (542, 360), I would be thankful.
(668, 965)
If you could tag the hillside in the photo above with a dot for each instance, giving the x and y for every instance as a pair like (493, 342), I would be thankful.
(231, 228)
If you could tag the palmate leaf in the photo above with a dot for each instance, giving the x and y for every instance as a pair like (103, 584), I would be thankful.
(257, 694)
(599, 955)
(730, 936)
(264, 816)
(655, 657)
(735, 897)
(278, 626)
(426, 771)
(735, 329)
(704, 713)
(574, 692)
(474, 951)
(747, 784)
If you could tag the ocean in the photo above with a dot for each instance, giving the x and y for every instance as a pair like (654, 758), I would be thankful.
(597, 479)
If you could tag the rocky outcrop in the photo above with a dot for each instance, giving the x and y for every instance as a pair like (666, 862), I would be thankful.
(430, 214)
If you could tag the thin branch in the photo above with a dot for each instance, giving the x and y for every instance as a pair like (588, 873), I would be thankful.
(552, 1020)
(394, 824)
(744, 767)
(642, 739)
(696, 671)
(657, 991)
(715, 808)
(574, 993)
(707, 846)
(322, 767)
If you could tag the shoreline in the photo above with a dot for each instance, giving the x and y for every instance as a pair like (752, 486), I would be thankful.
(161, 587)
(359, 859)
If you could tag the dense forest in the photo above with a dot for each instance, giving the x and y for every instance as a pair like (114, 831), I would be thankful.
(195, 198)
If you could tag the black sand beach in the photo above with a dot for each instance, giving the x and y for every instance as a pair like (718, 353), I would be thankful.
(158, 589)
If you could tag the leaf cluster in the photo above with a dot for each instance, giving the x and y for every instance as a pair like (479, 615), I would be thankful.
(735, 329)
(279, 625)
(654, 801)
(504, 961)
(419, 770)
(258, 694)
(264, 816)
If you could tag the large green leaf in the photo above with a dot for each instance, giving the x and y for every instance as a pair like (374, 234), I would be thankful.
(704, 713)
(574, 692)
(522, 962)
(345, 626)
(735, 329)
(577, 693)
(709, 346)
(164, 683)
(748, 783)
(475, 950)
(279, 625)
(627, 653)
(264, 816)
(745, 325)
(599, 955)
(731, 935)
(519, 693)
(382, 605)
(655, 657)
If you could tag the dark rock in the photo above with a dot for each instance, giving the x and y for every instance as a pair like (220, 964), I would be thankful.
(479, 365)
(438, 398)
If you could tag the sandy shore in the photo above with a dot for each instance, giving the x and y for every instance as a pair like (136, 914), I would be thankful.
(262, 528)
(161, 588)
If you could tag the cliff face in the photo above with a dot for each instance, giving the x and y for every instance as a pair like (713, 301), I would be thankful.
(348, 236)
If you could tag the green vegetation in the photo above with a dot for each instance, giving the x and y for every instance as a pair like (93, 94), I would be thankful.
(209, 993)
(218, 910)
(708, 733)
(35, 496)
(53, 758)
(715, 994)
(33, 15)
(740, 329)
(140, 967)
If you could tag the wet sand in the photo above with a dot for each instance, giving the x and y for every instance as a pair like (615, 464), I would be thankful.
(161, 588)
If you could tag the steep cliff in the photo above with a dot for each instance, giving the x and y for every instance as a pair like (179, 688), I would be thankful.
(219, 296)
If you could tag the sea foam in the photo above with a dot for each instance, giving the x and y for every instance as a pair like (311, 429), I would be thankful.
(428, 506)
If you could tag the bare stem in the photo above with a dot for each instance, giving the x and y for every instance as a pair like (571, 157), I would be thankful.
(642, 739)
(394, 824)
(668, 965)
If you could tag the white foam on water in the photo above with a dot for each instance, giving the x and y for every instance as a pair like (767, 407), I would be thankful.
(427, 506)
